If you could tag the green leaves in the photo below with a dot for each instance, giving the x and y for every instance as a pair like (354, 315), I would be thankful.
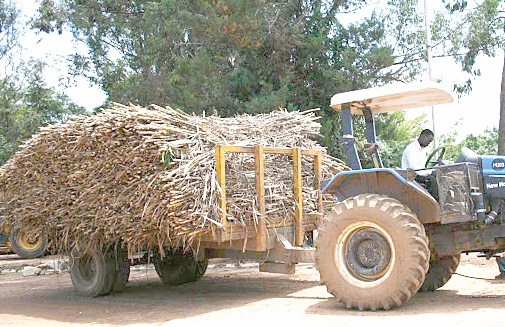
(50, 17)
(241, 56)
(28, 103)
(485, 143)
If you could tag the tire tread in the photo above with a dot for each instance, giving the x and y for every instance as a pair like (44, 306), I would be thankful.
(411, 227)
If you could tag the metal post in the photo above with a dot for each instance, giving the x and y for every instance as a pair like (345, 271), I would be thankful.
(428, 52)
(370, 136)
(348, 142)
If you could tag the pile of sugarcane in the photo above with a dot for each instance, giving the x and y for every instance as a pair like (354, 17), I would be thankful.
(147, 176)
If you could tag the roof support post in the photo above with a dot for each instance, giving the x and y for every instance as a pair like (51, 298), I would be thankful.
(348, 142)
(370, 137)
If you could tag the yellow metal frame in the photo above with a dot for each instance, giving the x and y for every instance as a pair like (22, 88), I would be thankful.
(232, 231)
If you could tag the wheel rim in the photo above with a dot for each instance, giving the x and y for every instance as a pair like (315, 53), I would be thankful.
(29, 241)
(85, 269)
(365, 254)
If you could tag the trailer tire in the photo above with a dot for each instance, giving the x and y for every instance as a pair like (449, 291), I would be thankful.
(179, 268)
(28, 246)
(439, 273)
(93, 273)
(372, 252)
(122, 270)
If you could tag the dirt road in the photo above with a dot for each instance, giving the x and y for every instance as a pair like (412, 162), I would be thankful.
(230, 296)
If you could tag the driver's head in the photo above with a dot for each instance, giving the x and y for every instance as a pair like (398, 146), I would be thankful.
(425, 138)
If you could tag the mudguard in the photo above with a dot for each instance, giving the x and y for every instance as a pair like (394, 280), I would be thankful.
(388, 182)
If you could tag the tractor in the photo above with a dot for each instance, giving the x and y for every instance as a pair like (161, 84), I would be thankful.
(389, 237)
(386, 237)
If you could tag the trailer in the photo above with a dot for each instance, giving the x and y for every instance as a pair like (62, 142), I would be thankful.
(277, 246)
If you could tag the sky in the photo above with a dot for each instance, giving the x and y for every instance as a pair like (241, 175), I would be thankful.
(472, 113)
(475, 112)
(53, 48)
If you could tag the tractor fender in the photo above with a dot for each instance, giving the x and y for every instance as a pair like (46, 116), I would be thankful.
(388, 182)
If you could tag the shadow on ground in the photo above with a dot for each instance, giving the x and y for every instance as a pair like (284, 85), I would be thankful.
(145, 300)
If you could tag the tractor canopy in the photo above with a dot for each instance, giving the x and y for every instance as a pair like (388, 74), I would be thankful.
(391, 98)
(368, 102)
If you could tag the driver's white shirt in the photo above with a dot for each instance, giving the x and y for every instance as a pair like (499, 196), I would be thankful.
(414, 156)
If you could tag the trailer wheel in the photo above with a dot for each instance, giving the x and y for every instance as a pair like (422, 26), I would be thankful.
(93, 273)
(372, 252)
(179, 268)
(439, 273)
(26, 244)
(122, 270)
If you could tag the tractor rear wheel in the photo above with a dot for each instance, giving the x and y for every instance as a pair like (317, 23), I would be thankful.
(28, 244)
(179, 267)
(439, 273)
(372, 252)
(93, 273)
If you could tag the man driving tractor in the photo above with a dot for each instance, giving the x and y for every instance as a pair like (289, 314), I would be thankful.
(414, 155)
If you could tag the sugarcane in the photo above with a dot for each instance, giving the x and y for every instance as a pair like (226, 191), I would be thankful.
(146, 176)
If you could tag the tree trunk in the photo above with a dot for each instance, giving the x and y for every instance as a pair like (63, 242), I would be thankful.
(501, 126)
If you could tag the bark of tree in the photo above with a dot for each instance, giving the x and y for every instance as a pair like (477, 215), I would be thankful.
(501, 126)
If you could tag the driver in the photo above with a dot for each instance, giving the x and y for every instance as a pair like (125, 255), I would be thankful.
(414, 155)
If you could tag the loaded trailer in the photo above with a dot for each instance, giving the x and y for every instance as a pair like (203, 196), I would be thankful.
(386, 236)
(277, 245)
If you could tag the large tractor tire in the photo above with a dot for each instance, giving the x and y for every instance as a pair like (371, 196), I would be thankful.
(179, 267)
(26, 244)
(93, 273)
(439, 273)
(372, 252)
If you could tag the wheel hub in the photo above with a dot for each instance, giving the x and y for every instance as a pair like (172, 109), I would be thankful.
(368, 254)
(29, 241)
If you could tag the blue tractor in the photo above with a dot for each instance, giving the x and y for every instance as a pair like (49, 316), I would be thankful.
(388, 237)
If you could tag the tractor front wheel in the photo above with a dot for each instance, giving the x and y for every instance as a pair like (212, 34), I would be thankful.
(372, 252)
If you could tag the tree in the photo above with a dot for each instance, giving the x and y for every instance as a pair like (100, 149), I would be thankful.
(485, 143)
(9, 29)
(239, 56)
(8, 41)
(470, 32)
(28, 103)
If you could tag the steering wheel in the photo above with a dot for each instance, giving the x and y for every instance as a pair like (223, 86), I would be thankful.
(440, 149)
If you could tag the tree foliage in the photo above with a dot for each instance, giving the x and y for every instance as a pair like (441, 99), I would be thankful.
(485, 143)
(471, 30)
(240, 56)
(26, 102)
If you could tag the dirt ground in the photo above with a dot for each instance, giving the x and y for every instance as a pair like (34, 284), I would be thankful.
(240, 296)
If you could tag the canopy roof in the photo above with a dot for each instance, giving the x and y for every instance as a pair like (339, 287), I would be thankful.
(392, 98)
